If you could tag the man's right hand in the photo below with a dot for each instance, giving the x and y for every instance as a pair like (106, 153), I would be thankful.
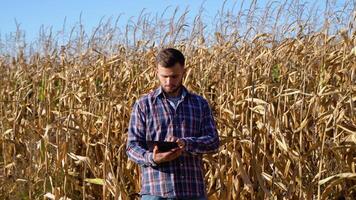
(161, 157)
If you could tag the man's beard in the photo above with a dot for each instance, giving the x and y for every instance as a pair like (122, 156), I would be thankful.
(173, 91)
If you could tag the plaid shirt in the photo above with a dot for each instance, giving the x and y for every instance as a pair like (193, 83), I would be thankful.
(153, 118)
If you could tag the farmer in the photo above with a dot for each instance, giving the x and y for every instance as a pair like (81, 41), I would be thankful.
(171, 113)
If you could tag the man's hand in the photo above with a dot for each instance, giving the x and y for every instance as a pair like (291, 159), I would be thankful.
(160, 157)
(181, 143)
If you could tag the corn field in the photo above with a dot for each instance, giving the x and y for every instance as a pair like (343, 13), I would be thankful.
(280, 79)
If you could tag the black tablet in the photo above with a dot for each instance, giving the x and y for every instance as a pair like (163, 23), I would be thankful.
(162, 145)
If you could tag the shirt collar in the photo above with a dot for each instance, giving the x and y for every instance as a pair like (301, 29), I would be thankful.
(159, 93)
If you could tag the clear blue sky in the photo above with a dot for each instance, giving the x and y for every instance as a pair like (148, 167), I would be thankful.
(31, 14)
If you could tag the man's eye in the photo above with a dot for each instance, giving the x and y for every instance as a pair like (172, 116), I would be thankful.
(169, 76)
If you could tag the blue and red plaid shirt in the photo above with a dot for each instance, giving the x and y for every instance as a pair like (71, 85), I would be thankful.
(153, 118)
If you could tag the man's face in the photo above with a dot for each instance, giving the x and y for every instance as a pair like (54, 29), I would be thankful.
(171, 78)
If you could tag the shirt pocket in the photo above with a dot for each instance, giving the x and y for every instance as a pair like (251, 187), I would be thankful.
(157, 128)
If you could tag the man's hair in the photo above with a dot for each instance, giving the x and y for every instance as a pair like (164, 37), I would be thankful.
(169, 57)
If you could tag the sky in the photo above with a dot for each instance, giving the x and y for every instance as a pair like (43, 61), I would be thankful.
(32, 14)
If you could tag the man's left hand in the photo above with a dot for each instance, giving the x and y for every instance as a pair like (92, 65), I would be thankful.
(181, 143)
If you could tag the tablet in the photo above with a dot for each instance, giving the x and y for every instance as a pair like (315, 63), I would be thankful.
(162, 145)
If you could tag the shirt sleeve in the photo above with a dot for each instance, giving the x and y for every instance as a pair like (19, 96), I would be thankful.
(136, 139)
(209, 141)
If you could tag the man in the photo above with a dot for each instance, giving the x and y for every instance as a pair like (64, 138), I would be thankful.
(171, 113)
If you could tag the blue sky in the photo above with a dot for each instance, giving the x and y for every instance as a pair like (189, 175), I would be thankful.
(31, 14)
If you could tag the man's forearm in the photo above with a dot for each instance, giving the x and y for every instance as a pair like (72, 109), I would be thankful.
(203, 144)
(139, 155)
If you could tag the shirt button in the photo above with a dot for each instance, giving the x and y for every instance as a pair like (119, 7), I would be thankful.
(181, 164)
(182, 176)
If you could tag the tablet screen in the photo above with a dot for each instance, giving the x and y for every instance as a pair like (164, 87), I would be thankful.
(162, 145)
